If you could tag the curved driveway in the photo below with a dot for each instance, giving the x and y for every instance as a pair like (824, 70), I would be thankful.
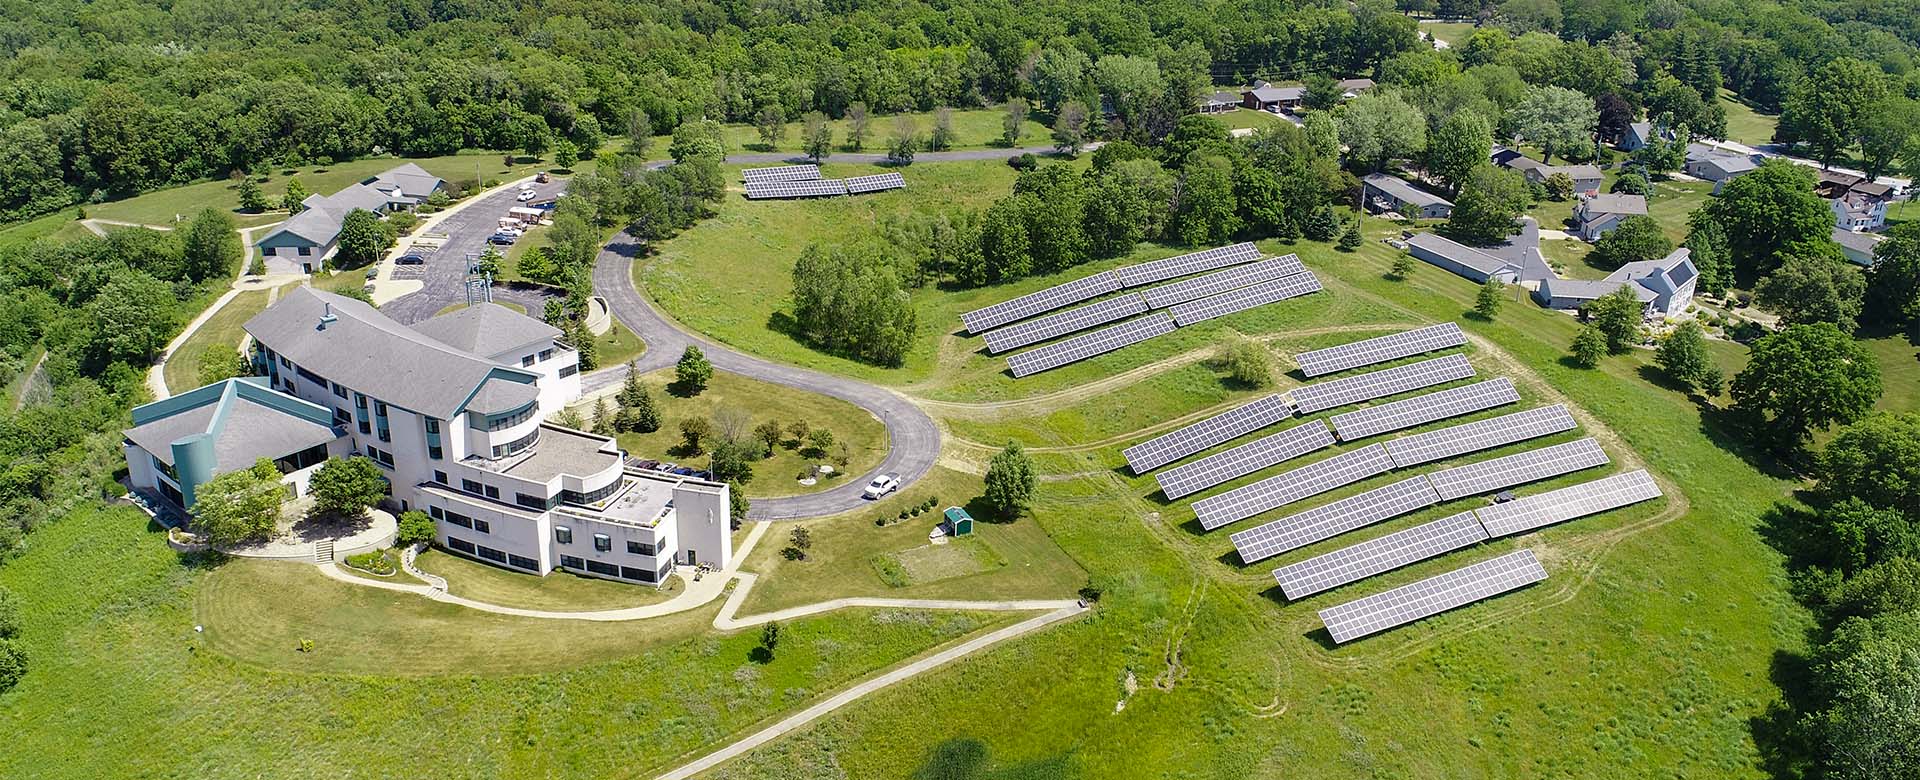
(912, 437)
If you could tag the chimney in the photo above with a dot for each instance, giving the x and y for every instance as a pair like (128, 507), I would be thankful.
(326, 315)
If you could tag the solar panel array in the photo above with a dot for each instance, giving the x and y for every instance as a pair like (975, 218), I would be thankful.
(1183, 265)
(781, 173)
(1432, 596)
(1380, 349)
(1224, 427)
(1221, 281)
(1285, 488)
(1479, 435)
(860, 185)
(1245, 298)
(1376, 556)
(979, 320)
(1423, 409)
(1331, 520)
(1557, 506)
(1088, 345)
(1379, 384)
(1244, 459)
(816, 188)
(1057, 324)
(1518, 469)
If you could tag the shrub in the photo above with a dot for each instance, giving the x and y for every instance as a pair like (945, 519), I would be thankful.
(9, 615)
(415, 528)
(13, 664)
(379, 562)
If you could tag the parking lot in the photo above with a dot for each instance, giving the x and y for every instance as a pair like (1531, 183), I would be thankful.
(443, 271)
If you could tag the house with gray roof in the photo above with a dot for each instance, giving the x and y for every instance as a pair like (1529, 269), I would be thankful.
(1263, 96)
(1384, 193)
(1220, 102)
(1858, 247)
(454, 414)
(1637, 136)
(1664, 287)
(179, 443)
(1517, 260)
(308, 239)
(1597, 215)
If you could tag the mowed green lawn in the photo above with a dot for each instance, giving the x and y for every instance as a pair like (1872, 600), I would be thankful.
(974, 128)
(1744, 124)
(221, 332)
(777, 475)
(557, 592)
(1452, 33)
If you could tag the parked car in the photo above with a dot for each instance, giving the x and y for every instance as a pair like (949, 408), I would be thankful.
(412, 258)
(881, 485)
(665, 466)
(542, 177)
(527, 195)
(504, 239)
(644, 465)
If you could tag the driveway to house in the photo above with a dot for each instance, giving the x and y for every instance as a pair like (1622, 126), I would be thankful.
(444, 275)
(912, 437)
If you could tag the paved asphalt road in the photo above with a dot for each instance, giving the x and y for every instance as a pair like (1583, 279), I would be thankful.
(913, 438)
(445, 273)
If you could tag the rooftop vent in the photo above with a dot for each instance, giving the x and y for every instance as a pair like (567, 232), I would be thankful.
(326, 316)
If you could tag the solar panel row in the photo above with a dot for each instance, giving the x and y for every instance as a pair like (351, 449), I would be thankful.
(860, 185)
(1479, 435)
(781, 173)
(1376, 556)
(795, 189)
(1245, 298)
(1379, 384)
(1431, 596)
(1221, 281)
(1558, 506)
(1245, 459)
(1287, 487)
(1380, 349)
(1173, 267)
(1518, 469)
(979, 320)
(1423, 409)
(1224, 427)
(1331, 520)
(1088, 345)
(1040, 329)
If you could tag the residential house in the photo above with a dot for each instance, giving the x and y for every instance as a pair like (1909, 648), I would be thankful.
(308, 239)
(1383, 193)
(1719, 166)
(1862, 207)
(1637, 137)
(1351, 88)
(458, 431)
(1596, 215)
(1664, 287)
(1858, 247)
(1263, 96)
(1586, 178)
(178, 444)
(1220, 102)
(1514, 261)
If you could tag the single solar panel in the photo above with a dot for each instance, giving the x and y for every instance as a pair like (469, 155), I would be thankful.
(1244, 459)
(796, 189)
(780, 173)
(1423, 409)
(1558, 506)
(1330, 520)
(1518, 469)
(1173, 267)
(1432, 596)
(860, 185)
(1479, 435)
(1085, 346)
(1221, 281)
(1380, 384)
(1377, 556)
(1380, 349)
(1285, 488)
(1040, 329)
(1223, 427)
(1232, 301)
(980, 320)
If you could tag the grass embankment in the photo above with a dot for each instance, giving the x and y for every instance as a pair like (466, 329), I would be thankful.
(557, 592)
(1745, 124)
(975, 128)
(778, 474)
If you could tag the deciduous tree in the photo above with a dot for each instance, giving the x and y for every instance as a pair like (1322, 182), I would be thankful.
(1556, 119)
(240, 506)
(692, 371)
(348, 485)
(1488, 205)
(1804, 378)
(1009, 481)
(1637, 238)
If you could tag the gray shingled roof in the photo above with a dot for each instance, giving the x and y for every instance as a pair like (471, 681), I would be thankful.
(1404, 191)
(412, 180)
(1863, 243)
(249, 431)
(371, 353)
(1459, 253)
(1616, 203)
(486, 329)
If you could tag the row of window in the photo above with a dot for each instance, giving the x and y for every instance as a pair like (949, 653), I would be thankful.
(514, 447)
(624, 572)
(380, 456)
(528, 360)
(490, 554)
(603, 542)
(507, 421)
(586, 499)
(461, 520)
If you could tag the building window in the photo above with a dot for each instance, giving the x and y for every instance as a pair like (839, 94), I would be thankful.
(526, 360)
(435, 513)
(504, 421)
(285, 363)
(380, 456)
(342, 417)
(563, 534)
(632, 573)
(440, 477)
(523, 562)
(586, 499)
(306, 251)
(365, 427)
(603, 568)
(572, 562)
(532, 502)
(459, 519)
(339, 389)
(435, 453)
(517, 445)
(602, 542)
(433, 425)
(471, 486)
(461, 545)
(546, 355)
(359, 401)
(493, 492)
(493, 555)
(567, 371)
(637, 548)
(482, 526)
(380, 408)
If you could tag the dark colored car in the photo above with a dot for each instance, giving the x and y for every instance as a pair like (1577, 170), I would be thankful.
(503, 239)
(412, 258)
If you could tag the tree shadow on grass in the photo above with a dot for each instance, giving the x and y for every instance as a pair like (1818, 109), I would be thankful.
(965, 758)
(1731, 431)
(1787, 743)
(760, 655)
